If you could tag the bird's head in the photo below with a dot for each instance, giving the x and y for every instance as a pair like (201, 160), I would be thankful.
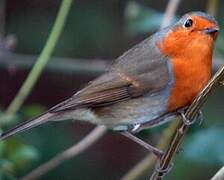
(195, 32)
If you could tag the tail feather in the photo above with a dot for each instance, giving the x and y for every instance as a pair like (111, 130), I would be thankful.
(26, 125)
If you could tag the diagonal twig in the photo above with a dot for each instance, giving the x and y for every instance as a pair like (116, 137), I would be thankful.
(212, 6)
(82, 145)
(42, 59)
(170, 11)
(219, 175)
(190, 114)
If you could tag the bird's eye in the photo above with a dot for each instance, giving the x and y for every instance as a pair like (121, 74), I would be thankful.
(188, 23)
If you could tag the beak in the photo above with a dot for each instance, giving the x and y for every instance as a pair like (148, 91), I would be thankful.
(211, 31)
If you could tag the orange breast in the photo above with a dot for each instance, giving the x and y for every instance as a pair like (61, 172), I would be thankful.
(190, 79)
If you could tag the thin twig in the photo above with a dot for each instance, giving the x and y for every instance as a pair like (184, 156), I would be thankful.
(43, 58)
(55, 65)
(190, 114)
(171, 9)
(76, 149)
(212, 6)
(219, 175)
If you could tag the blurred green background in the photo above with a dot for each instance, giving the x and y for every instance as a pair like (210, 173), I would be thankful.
(95, 33)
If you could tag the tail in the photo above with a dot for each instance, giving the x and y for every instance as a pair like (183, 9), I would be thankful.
(26, 125)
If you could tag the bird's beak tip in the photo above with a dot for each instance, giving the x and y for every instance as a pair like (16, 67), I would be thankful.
(212, 30)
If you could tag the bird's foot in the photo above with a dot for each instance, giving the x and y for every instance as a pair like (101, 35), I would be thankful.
(163, 172)
(186, 121)
(135, 128)
(221, 83)
(199, 117)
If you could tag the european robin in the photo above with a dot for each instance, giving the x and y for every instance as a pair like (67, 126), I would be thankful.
(159, 75)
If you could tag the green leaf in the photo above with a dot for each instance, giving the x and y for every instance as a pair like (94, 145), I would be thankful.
(2, 148)
(33, 110)
(19, 154)
(205, 146)
(5, 166)
(6, 119)
(24, 155)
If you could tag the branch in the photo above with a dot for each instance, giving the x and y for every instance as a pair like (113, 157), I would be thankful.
(219, 175)
(212, 6)
(56, 64)
(171, 9)
(190, 114)
(42, 59)
(76, 149)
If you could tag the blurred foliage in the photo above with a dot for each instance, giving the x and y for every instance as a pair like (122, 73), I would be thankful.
(19, 154)
(15, 156)
(7, 120)
(32, 110)
(205, 146)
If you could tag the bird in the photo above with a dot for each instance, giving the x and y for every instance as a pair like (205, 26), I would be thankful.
(158, 76)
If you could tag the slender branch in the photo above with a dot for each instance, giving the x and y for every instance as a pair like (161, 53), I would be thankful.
(43, 58)
(76, 149)
(190, 114)
(219, 175)
(171, 9)
(55, 65)
(73, 151)
(212, 6)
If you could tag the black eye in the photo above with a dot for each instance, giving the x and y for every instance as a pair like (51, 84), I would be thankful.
(188, 23)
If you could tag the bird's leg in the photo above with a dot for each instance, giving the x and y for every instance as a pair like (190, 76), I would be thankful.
(157, 152)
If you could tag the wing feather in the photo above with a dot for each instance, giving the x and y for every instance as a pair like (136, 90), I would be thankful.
(140, 70)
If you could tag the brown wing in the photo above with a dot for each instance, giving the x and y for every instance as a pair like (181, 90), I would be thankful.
(102, 94)
(140, 70)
